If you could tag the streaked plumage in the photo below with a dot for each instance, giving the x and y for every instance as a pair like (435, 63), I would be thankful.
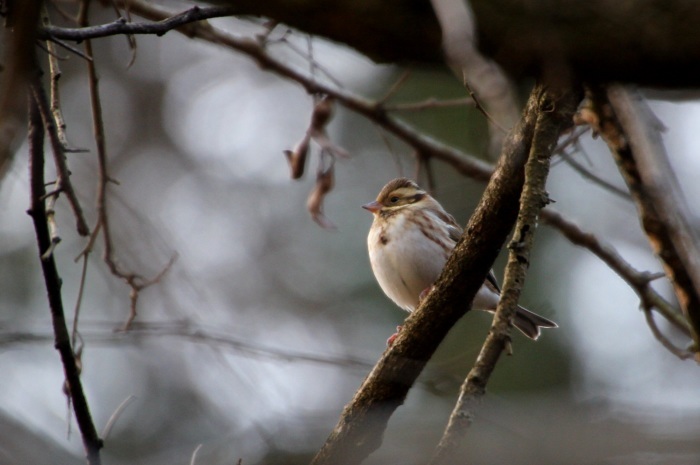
(409, 242)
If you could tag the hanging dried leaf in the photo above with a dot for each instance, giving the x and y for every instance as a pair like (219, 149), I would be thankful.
(297, 157)
(324, 184)
(323, 111)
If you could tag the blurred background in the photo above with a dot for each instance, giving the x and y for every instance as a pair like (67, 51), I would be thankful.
(266, 324)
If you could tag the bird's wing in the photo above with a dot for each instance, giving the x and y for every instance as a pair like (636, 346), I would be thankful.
(454, 230)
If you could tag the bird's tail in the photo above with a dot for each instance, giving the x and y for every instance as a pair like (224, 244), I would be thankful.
(529, 323)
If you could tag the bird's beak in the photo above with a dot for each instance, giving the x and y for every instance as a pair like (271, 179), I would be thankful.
(374, 207)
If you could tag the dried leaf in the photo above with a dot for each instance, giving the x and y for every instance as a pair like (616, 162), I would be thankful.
(324, 184)
(323, 111)
(297, 157)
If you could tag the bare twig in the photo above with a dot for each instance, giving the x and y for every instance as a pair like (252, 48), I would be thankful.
(102, 333)
(482, 109)
(554, 114)
(193, 460)
(395, 87)
(680, 353)
(431, 103)
(37, 211)
(135, 281)
(121, 26)
(63, 183)
(314, 65)
(373, 111)
(586, 173)
(638, 281)
(115, 416)
(71, 49)
(55, 73)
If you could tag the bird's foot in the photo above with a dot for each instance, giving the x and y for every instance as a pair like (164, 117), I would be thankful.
(424, 293)
(393, 337)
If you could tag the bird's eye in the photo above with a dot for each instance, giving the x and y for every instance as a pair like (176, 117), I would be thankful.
(394, 199)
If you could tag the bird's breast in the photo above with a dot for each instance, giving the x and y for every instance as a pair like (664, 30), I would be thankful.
(405, 259)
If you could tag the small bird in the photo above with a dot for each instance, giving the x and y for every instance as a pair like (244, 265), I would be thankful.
(409, 242)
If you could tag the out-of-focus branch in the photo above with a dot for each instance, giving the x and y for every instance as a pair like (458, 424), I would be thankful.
(639, 281)
(555, 110)
(135, 281)
(18, 34)
(628, 127)
(102, 333)
(37, 211)
(489, 82)
(364, 419)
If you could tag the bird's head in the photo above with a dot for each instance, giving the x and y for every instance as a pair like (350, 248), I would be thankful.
(398, 194)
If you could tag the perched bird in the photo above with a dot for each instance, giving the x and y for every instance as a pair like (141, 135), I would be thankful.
(409, 242)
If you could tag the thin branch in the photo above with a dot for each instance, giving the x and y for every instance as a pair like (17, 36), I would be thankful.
(193, 459)
(121, 26)
(375, 112)
(395, 87)
(637, 280)
(680, 353)
(104, 334)
(115, 416)
(63, 183)
(431, 103)
(55, 73)
(135, 281)
(70, 48)
(308, 56)
(554, 114)
(482, 109)
(37, 211)
(586, 173)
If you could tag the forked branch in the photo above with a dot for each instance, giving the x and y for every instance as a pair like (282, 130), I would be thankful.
(554, 110)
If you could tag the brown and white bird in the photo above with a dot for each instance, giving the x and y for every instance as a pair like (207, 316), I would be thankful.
(409, 242)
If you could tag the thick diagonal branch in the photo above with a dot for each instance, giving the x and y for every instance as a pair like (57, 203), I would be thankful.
(362, 423)
(628, 127)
